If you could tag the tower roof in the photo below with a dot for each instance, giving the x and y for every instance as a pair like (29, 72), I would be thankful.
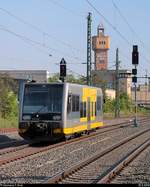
(100, 28)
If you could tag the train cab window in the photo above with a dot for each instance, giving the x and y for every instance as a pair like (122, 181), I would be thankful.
(75, 103)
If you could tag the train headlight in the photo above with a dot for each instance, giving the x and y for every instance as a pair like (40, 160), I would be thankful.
(26, 117)
(56, 118)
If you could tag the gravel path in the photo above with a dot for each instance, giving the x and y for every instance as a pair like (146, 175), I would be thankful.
(35, 169)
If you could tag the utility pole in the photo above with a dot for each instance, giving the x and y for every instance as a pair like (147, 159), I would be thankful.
(146, 86)
(117, 106)
(89, 48)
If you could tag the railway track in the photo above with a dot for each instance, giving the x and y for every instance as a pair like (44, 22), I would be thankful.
(15, 143)
(50, 162)
(10, 144)
(18, 146)
(117, 167)
(88, 171)
(24, 151)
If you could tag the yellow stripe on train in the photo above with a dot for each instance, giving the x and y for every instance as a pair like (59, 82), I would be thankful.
(76, 129)
(97, 124)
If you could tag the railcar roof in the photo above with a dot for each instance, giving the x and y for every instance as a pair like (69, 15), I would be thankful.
(66, 83)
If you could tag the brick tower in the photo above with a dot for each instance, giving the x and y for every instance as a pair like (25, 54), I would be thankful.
(101, 45)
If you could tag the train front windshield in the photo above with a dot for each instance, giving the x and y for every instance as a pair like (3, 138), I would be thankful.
(42, 99)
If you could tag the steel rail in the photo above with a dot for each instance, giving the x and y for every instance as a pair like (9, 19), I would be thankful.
(112, 172)
(40, 150)
(60, 176)
(8, 144)
(70, 141)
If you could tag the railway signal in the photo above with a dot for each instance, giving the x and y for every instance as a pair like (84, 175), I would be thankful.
(63, 71)
(134, 79)
(135, 55)
(135, 62)
(134, 71)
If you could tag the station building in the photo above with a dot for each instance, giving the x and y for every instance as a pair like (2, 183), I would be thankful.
(40, 76)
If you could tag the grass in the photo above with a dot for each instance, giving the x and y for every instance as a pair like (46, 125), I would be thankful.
(8, 123)
(140, 113)
(13, 123)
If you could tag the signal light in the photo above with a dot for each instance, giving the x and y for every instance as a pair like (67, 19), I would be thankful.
(62, 70)
(135, 48)
(134, 79)
(134, 71)
(135, 55)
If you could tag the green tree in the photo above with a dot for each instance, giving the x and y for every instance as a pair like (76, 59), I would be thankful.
(125, 103)
(8, 98)
(70, 78)
(109, 105)
(54, 78)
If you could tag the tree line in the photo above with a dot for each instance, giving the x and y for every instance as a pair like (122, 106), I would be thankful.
(8, 97)
(9, 94)
(126, 104)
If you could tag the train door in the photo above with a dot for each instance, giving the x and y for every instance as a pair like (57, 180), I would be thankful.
(88, 113)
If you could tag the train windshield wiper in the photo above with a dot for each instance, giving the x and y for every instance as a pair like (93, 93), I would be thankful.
(40, 109)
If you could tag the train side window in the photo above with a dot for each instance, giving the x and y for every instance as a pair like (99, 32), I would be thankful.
(75, 103)
(99, 103)
(95, 109)
(83, 109)
(69, 104)
(92, 112)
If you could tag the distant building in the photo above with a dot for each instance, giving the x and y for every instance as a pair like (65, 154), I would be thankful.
(107, 78)
(101, 45)
(40, 76)
(142, 94)
(110, 93)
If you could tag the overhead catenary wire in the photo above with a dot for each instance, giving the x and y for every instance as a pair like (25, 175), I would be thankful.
(28, 40)
(44, 33)
(65, 8)
(129, 26)
(34, 43)
(109, 23)
(114, 28)
(132, 30)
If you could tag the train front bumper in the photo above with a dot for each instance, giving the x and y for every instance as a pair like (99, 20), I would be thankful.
(40, 130)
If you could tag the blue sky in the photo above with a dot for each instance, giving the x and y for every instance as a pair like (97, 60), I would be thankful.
(65, 22)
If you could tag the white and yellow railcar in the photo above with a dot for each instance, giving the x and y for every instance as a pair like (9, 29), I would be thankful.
(62, 110)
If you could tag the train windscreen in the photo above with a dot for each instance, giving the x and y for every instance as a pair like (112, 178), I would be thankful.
(43, 99)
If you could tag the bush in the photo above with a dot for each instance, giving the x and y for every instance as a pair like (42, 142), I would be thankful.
(109, 105)
(125, 104)
(8, 99)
